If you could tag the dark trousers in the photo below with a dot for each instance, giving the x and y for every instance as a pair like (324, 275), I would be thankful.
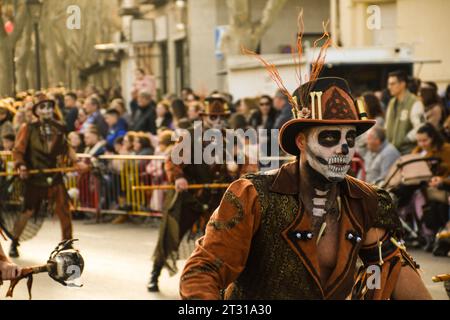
(57, 197)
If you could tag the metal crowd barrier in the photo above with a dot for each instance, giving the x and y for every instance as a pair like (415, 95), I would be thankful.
(109, 187)
(8, 185)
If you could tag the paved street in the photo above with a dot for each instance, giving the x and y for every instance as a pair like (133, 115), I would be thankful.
(117, 264)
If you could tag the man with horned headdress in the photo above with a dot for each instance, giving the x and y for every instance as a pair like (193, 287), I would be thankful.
(298, 232)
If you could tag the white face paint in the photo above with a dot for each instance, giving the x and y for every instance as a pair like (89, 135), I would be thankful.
(330, 149)
(45, 111)
(214, 122)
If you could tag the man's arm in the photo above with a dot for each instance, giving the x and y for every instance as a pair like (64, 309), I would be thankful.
(20, 146)
(397, 275)
(408, 284)
(416, 118)
(221, 255)
(387, 162)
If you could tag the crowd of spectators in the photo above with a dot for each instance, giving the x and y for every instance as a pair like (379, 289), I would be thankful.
(411, 118)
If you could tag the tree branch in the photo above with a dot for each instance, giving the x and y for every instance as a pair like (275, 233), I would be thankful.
(19, 24)
(271, 10)
(239, 12)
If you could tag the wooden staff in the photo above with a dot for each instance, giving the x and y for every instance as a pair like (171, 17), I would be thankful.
(27, 273)
(443, 235)
(61, 258)
(191, 186)
(441, 277)
(40, 171)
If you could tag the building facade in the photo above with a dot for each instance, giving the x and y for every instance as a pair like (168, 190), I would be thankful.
(421, 25)
(185, 50)
(187, 53)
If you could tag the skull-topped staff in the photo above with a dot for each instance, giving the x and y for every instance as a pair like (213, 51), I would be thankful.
(65, 264)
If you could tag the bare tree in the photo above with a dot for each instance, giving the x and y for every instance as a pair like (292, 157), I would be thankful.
(70, 51)
(64, 51)
(24, 58)
(243, 31)
(7, 46)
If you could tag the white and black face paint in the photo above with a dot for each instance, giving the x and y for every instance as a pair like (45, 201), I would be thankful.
(330, 149)
(214, 122)
(45, 111)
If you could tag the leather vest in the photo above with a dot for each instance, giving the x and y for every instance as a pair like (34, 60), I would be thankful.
(281, 266)
(41, 155)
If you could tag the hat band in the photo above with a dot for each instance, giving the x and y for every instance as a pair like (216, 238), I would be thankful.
(316, 111)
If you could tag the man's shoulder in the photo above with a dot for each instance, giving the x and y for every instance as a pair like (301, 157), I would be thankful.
(391, 102)
(72, 111)
(252, 187)
(30, 126)
(259, 180)
(287, 111)
(361, 188)
(389, 150)
(383, 212)
(261, 175)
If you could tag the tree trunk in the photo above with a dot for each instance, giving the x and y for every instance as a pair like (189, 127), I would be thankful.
(6, 68)
(44, 66)
(24, 55)
(242, 31)
(7, 43)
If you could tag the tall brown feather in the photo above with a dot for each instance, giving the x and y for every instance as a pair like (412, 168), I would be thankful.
(274, 74)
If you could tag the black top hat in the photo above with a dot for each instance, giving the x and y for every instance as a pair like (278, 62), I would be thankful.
(324, 101)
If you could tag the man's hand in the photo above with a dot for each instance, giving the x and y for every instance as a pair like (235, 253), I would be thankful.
(9, 270)
(181, 184)
(23, 172)
(436, 182)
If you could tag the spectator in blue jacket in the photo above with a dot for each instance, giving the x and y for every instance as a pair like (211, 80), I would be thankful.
(380, 155)
(117, 126)
(281, 104)
(94, 117)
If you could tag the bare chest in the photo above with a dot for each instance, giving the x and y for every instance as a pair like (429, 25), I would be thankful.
(327, 249)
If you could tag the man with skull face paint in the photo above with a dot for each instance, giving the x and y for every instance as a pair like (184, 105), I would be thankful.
(298, 231)
(40, 145)
(184, 208)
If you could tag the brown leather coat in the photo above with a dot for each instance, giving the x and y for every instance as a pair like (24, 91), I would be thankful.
(250, 249)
